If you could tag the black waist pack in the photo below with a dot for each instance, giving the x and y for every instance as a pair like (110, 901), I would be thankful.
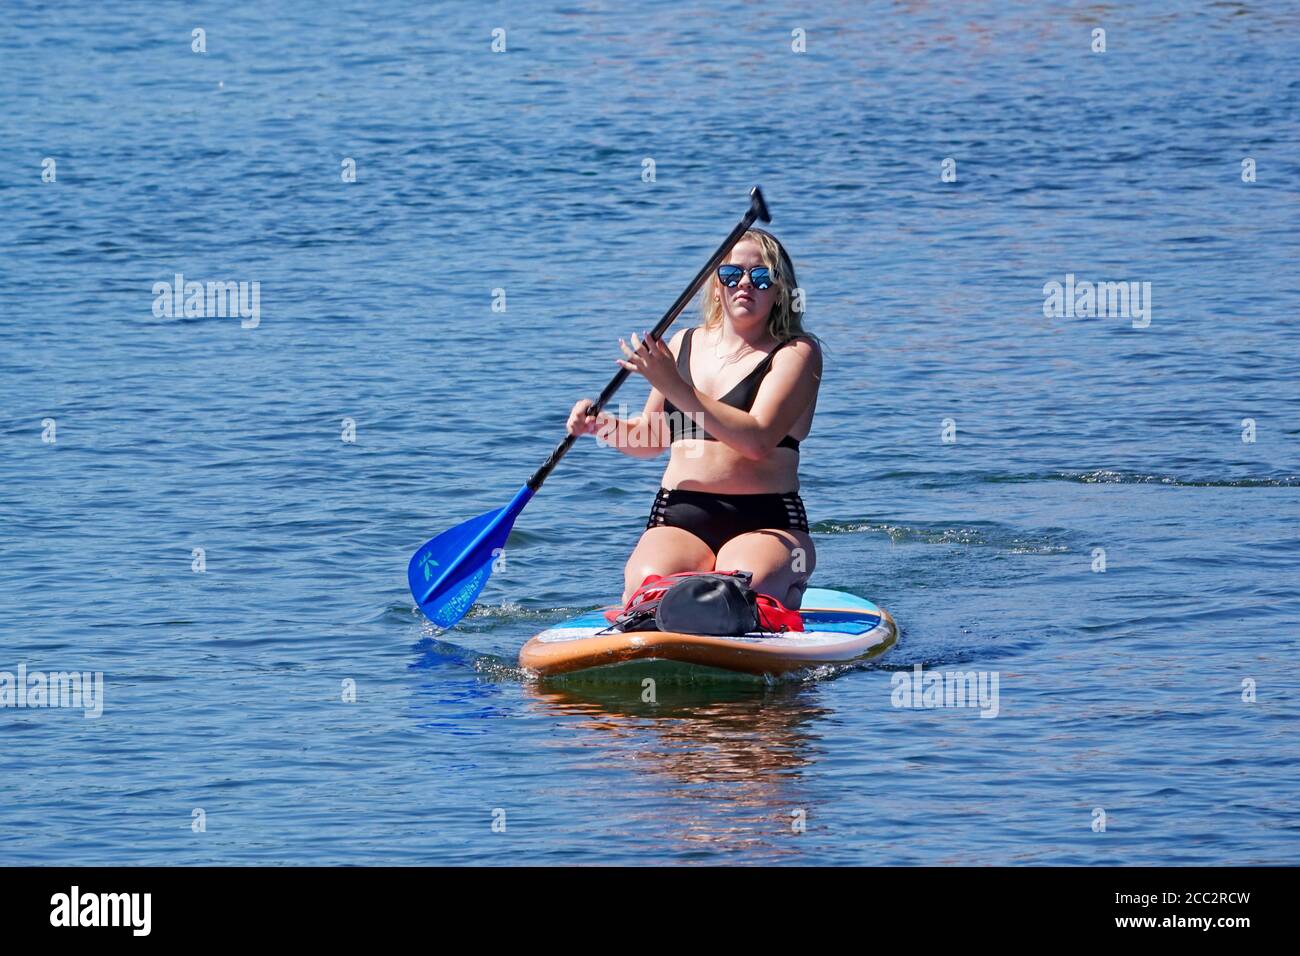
(706, 602)
(709, 604)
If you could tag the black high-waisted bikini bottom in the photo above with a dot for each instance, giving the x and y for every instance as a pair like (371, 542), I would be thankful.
(716, 519)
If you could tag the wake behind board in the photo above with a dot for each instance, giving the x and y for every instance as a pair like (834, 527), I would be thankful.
(839, 628)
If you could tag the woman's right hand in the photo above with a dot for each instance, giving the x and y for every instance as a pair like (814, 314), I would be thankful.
(580, 423)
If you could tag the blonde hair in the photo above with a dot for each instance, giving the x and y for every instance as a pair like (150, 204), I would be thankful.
(783, 321)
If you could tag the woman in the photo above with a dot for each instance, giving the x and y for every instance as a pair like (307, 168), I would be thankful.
(729, 499)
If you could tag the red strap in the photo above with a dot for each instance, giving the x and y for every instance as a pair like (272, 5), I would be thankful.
(651, 589)
(775, 617)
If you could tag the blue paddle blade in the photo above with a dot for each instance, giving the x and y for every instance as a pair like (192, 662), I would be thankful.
(448, 572)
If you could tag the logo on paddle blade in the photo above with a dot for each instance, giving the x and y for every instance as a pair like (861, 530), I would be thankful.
(427, 564)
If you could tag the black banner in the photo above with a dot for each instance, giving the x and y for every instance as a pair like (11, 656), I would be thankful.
(214, 905)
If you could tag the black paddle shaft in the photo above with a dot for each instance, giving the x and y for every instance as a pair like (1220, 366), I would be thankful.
(757, 210)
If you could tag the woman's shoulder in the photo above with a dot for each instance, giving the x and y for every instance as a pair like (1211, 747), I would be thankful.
(802, 344)
(675, 343)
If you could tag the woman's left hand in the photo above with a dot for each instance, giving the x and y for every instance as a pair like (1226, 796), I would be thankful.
(654, 360)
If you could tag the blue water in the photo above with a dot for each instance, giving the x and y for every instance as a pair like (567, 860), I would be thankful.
(1120, 691)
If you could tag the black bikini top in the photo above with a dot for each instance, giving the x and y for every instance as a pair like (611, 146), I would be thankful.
(742, 396)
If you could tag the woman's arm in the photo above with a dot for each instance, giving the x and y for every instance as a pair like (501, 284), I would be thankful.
(642, 436)
(628, 435)
(632, 436)
(649, 430)
(786, 392)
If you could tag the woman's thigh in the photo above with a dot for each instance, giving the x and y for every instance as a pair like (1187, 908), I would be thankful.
(665, 550)
(781, 561)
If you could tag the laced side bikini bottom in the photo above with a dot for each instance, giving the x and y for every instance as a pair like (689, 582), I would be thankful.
(716, 519)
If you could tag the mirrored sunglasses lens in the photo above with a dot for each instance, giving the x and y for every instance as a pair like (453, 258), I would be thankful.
(730, 275)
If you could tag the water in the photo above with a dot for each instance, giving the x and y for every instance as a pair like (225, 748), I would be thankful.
(1119, 691)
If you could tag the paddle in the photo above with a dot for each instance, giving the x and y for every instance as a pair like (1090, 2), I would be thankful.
(448, 572)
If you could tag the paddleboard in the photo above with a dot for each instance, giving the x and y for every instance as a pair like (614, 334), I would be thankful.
(839, 628)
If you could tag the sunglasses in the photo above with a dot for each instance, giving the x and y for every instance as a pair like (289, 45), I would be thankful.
(759, 275)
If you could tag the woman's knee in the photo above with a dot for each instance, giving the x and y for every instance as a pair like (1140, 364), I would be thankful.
(781, 562)
(635, 575)
(664, 551)
(794, 595)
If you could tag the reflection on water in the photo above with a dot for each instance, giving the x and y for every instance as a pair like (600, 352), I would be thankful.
(725, 761)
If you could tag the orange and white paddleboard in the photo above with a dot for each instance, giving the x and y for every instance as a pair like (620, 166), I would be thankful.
(839, 628)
